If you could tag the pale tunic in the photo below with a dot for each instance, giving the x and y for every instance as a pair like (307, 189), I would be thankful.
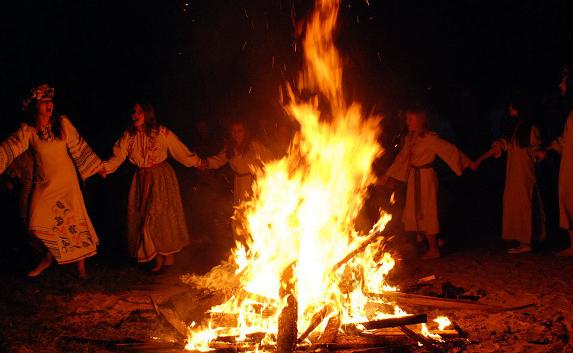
(523, 215)
(414, 161)
(564, 145)
(156, 221)
(57, 214)
(242, 166)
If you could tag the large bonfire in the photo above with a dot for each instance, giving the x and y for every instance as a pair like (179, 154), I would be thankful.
(300, 225)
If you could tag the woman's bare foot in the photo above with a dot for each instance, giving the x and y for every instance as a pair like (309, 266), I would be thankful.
(169, 260)
(44, 264)
(82, 269)
(431, 254)
(159, 260)
(566, 252)
(521, 249)
(433, 248)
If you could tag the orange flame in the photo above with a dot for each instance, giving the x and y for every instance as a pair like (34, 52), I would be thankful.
(304, 210)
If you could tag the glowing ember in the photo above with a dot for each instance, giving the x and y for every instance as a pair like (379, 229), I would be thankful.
(303, 214)
(442, 322)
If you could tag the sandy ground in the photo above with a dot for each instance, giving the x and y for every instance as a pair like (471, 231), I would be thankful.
(114, 303)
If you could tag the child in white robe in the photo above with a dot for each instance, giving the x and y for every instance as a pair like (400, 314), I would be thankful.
(414, 165)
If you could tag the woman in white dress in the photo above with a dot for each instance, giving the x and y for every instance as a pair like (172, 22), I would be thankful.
(57, 214)
(156, 227)
(244, 155)
(523, 213)
(564, 146)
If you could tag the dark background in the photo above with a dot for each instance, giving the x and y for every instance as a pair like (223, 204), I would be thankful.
(217, 60)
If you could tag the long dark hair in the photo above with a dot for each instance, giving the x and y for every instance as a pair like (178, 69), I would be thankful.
(232, 146)
(31, 118)
(150, 124)
(519, 127)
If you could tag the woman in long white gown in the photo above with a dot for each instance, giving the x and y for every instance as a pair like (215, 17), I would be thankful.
(57, 214)
(523, 213)
(564, 146)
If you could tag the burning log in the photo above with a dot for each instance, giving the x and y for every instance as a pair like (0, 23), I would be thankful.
(427, 342)
(316, 320)
(331, 331)
(357, 251)
(391, 322)
(174, 320)
(287, 325)
(383, 338)
(444, 303)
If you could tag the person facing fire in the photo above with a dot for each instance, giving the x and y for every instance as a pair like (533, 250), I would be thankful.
(414, 165)
(243, 154)
(156, 226)
(564, 146)
(57, 214)
(523, 213)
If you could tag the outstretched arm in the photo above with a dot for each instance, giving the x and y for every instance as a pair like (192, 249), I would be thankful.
(453, 156)
(86, 161)
(14, 146)
(118, 156)
(497, 148)
(179, 151)
(218, 160)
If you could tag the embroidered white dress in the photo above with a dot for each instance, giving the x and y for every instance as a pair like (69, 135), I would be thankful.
(57, 214)
(156, 222)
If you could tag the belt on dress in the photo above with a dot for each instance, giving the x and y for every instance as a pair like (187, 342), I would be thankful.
(418, 191)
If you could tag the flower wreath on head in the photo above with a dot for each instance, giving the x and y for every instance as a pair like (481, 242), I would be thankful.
(41, 93)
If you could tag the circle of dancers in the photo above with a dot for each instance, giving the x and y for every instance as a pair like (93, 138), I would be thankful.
(46, 154)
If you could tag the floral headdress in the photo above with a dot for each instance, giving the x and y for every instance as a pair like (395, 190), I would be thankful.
(41, 93)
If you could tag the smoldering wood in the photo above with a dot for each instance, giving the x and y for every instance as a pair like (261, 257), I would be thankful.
(390, 322)
(288, 318)
(128, 344)
(331, 331)
(427, 342)
(251, 338)
(316, 320)
(444, 303)
(174, 320)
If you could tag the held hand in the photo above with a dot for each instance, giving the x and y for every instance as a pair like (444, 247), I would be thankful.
(474, 165)
(102, 173)
(540, 155)
(203, 165)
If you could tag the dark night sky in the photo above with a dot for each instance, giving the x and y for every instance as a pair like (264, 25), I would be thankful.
(201, 58)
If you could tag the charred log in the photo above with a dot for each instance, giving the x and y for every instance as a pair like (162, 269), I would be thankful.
(391, 322)
(287, 325)
(316, 320)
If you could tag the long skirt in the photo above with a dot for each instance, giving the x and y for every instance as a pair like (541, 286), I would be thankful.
(156, 222)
